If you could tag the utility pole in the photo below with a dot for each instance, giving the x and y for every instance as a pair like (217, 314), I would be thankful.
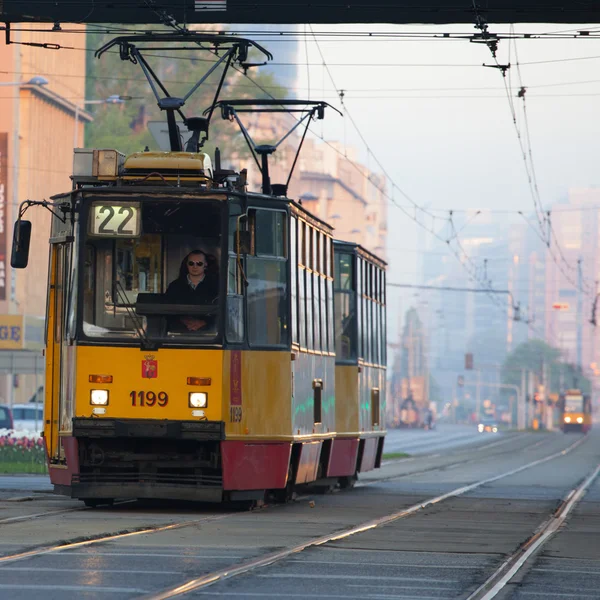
(579, 312)
(478, 395)
(521, 418)
(531, 406)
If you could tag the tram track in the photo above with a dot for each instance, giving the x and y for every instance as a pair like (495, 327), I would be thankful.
(259, 562)
(248, 565)
(448, 466)
(457, 463)
(496, 582)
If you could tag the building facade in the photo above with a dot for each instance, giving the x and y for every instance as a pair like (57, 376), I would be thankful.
(39, 92)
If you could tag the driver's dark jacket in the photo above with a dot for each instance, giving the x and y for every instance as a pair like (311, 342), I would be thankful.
(180, 292)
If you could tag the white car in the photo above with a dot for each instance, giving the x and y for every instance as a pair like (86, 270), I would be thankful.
(24, 417)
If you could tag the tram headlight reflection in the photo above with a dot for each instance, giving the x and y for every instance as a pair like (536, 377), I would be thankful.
(99, 397)
(198, 399)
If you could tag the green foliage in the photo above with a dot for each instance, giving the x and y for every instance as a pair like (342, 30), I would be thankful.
(535, 356)
(123, 126)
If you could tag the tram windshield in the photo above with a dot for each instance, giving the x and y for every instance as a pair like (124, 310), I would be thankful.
(151, 269)
(573, 404)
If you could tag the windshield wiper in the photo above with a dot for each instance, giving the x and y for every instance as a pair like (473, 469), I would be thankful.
(145, 342)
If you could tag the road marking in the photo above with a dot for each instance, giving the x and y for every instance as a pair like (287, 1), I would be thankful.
(512, 565)
(379, 564)
(161, 555)
(87, 571)
(106, 538)
(273, 557)
(38, 515)
(354, 577)
(71, 588)
(343, 596)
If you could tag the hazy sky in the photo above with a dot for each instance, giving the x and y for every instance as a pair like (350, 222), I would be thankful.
(445, 133)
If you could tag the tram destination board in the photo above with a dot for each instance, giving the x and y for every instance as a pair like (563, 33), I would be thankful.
(299, 11)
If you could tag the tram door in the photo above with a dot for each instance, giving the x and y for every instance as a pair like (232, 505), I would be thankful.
(56, 408)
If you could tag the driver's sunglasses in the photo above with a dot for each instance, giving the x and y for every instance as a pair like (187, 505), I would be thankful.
(199, 263)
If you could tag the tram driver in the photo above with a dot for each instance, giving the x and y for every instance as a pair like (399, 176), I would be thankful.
(197, 283)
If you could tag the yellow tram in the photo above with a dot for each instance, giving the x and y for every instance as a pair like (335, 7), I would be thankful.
(360, 372)
(191, 349)
(252, 402)
(576, 413)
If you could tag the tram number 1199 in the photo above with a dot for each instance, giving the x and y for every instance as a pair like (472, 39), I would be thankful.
(149, 398)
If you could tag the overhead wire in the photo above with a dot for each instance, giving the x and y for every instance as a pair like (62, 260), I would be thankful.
(465, 257)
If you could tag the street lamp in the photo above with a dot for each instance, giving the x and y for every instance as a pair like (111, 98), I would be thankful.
(114, 99)
(37, 80)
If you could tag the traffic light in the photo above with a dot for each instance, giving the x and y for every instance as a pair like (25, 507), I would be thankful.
(469, 361)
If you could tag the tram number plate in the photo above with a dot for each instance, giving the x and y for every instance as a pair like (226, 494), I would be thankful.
(115, 220)
(235, 414)
(149, 398)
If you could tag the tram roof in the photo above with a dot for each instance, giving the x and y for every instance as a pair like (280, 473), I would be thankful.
(361, 251)
(190, 193)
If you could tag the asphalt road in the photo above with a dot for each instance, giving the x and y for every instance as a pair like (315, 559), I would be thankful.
(443, 437)
(445, 550)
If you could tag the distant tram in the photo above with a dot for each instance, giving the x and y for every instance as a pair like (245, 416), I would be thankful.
(576, 411)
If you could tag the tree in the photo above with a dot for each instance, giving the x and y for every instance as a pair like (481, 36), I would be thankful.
(537, 355)
(123, 126)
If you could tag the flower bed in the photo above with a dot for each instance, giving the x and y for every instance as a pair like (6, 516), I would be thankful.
(21, 452)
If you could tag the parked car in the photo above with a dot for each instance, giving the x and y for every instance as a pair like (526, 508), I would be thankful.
(6, 418)
(24, 417)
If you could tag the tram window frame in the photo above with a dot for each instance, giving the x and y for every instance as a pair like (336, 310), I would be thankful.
(359, 307)
(323, 297)
(235, 308)
(301, 284)
(59, 286)
(316, 298)
(129, 337)
(345, 308)
(329, 322)
(378, 333)
(384, 320)
(309, 291)
(294, 274)
(259, 260)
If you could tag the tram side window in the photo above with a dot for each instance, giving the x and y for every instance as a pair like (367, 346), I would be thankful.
(309, 290)
(301, 284)
(89, 283)
(345, 309)
(267, 282)
(316, 291)
(235, 300)
(293, 282)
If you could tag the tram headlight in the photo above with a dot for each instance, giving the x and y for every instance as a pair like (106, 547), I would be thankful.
(99, 397)
(480, 428)
(580, 419)
(198, 399)
(567, 419)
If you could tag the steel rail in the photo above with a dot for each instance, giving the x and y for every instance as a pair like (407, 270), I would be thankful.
(450, 465)
(50, 513)
(70, 545)
(511, 566)
(273, 557)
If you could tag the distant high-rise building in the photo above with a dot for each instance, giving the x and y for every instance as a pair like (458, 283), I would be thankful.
(573, 271)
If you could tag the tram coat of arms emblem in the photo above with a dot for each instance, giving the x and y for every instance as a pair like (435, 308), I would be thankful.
(149, 367)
